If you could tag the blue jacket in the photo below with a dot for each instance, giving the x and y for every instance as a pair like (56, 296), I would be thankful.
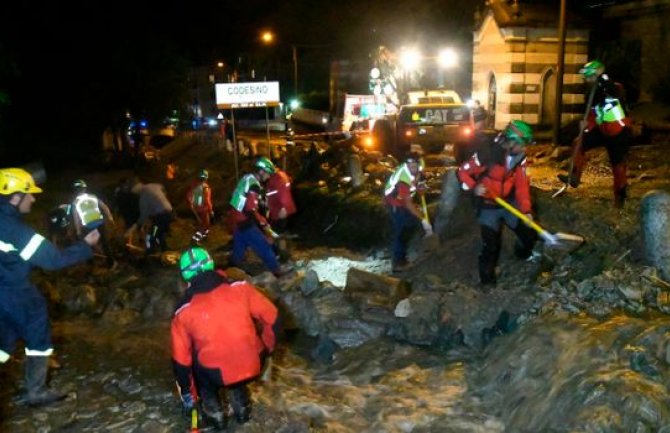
(21, 249)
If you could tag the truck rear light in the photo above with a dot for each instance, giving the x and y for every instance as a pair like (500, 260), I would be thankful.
(409, 133)
(467, 131)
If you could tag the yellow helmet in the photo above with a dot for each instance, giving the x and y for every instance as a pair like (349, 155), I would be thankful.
(14, 180)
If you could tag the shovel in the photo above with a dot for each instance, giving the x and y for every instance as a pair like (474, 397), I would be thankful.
(577, 143)
(430, 241)
(560, 241)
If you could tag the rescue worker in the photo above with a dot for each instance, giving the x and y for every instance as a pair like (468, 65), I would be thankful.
(606, 125)
(215, 342)
(199, 197)
(501, 173)
(405, 215)
(23, 309)
(248, 222)
(156, 209)
(88, 213)
(279, 199)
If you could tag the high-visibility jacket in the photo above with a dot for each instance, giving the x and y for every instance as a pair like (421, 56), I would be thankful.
(278, 194)
(244, 201)
(219, 327)
(399, 185)
(502, 179)
(607, 113)
(199, 196)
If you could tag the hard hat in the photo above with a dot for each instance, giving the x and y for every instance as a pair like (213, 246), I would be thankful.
(519, 132)
(592, 68)
(194, 261)
(14, 180)
(263, 163)
(204, 174)
(79, 185)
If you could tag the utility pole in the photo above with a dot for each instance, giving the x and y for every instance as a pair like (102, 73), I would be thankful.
(295, 70)
(560, 67)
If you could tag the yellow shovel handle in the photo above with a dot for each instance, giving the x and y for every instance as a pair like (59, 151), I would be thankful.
(425, 208)
(521, 216)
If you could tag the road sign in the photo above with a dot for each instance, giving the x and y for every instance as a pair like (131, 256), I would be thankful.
(252, 94)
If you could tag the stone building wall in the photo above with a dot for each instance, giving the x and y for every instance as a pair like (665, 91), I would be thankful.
(521, 63)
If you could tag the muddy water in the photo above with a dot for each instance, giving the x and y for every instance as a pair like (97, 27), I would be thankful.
(567, 374)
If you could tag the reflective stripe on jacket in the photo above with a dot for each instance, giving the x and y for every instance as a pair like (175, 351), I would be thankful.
(21, 249)
(279, 195)
(499, 180)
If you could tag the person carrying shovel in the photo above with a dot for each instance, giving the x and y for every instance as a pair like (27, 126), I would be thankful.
(405, 215)
(501, 174)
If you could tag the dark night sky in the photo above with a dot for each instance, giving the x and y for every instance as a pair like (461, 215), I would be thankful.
(82, 59)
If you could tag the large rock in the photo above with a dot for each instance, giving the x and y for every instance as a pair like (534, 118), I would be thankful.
(371, 291)
(655, 217)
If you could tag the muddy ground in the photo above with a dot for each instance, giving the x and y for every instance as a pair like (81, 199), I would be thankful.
(580, 357)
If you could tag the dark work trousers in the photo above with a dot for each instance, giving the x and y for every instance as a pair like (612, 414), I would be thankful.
(404, 222)
(160, 227)
(617, 148)
(208, 383)
(23, 315)
(104, 242)
(491, 221)
(250, 236)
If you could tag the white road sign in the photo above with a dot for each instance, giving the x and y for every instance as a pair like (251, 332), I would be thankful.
(253, 94)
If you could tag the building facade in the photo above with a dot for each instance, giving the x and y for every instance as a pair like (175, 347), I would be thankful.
(515, 53)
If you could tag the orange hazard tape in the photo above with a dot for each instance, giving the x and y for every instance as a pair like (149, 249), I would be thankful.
(323, 134)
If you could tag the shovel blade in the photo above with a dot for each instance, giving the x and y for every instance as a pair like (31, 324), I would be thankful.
(430, 243)
(564, 241)
(560, 191)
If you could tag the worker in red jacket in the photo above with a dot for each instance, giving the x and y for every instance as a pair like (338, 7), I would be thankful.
(199, 197)
(215, 342)
(500, 171)
(280, 202)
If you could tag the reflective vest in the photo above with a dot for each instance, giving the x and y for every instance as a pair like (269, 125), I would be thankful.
(239, 198)
(198, 195)
(610, 110)
(402, 174)
(88, 211)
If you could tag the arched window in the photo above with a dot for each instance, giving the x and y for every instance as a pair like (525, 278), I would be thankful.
(548, 97)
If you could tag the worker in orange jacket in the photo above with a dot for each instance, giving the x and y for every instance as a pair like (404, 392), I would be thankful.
(215, 342)
(199, 197)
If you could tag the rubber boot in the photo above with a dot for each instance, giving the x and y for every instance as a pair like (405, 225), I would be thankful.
(620, 183)
(37, 392)
(213, 413)
(239, 398)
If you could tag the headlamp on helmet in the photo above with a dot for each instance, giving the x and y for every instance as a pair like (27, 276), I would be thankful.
(79, 185)
(592, 69)
(195, 261)
(519, 132)
(265, 164)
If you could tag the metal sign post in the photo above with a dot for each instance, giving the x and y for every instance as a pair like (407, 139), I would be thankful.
(236, 149)
(247, 95)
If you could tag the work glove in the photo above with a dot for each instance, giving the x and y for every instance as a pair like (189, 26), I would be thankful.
(187, 404)
(427, 228)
